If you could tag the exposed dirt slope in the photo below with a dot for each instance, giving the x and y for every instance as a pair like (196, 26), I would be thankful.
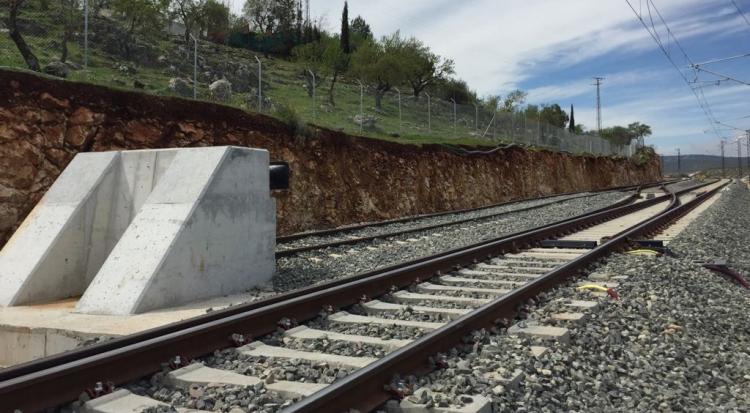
(337, 179)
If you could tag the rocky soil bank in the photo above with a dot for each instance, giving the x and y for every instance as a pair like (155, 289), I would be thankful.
(337, 179)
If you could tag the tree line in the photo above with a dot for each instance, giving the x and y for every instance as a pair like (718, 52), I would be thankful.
(279, 27)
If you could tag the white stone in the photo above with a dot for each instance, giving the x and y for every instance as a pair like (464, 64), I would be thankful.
(207, 376)
(258, 349)
(221, 90)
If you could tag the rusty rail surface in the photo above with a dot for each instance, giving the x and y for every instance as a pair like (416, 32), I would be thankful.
(58, 379)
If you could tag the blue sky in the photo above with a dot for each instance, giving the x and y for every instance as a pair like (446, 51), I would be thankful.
(553, 48)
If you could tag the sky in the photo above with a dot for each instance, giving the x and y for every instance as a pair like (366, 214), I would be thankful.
(552, 49)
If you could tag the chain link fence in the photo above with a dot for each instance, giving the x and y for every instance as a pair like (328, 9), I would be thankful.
(83, 40)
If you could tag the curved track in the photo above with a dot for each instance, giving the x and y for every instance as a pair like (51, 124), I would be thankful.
(472, 296)
(298, 243)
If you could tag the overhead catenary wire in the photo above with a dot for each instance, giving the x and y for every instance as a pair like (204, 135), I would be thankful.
(725, 77)
(702, 102)
(739, 10)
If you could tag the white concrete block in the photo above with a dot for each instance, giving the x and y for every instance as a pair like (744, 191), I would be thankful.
(547, 333)
(307, 333)
(207, 376)
(259, 349)
(430, 287)
(123, 401)
(344, 317)
(19, 344)
(47, 257)
(140, 230)
(377, 306)
(566, 316)
(409, 297)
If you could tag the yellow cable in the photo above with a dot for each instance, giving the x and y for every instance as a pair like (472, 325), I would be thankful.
(643, 252)
(593, 287)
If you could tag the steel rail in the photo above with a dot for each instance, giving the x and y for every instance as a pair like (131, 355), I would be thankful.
(59, 383)
(366, 388)
(43, 363)
(349, 241)
(349, 228)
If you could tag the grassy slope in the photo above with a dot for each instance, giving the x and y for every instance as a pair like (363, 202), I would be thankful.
(285, 87)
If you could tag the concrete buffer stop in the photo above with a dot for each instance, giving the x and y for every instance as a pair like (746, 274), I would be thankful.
(134, 231)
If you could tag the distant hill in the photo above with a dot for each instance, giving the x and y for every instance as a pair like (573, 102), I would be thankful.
(694, 163)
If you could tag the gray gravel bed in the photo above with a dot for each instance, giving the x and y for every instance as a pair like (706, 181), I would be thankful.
(427, 303)
(682, 185)
(721, 232)
(299, 270)
(674, 342)
(408, 314)
(678, 340)
(422, 222)
(221, 398)
(276, 369)
(372, 330)
(324, 345)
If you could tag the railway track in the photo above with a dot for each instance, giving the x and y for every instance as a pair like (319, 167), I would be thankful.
(309, 241)
(440, 298)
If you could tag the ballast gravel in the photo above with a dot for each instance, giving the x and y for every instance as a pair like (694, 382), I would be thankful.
(417, 222)
(677, 340)
(317, 266)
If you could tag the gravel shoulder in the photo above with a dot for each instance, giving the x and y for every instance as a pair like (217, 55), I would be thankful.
(679, 340)
(317, 266)
(427, 221)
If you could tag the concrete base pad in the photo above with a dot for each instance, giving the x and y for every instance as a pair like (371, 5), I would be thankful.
(35, 331)
(123, 401)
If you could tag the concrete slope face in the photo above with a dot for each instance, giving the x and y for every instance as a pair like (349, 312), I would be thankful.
(52, 253)
(168, 227)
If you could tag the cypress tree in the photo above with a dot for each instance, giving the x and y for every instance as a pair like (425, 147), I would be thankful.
(572, 126)
(345, 45)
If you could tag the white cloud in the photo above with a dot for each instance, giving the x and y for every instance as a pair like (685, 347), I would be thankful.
(496, 45)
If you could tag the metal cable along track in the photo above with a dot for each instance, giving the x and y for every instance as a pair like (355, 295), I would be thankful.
(62, 378)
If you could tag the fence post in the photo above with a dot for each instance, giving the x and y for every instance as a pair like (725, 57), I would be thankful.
(260, 85)
(429, 114)
(494, 125)
(313, 93)
(399, 109)
(86, 36)
(539, 128)
(455, 134)
(195, 67)
(361, 106)
(476, 118)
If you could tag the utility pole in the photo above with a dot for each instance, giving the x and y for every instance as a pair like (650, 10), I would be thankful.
(598, 85)
(663, 167)
(747, 132)
(739, 158)
(454, 117)
(86, 36)
(260, 85)
(679, 162)
(723, 168)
